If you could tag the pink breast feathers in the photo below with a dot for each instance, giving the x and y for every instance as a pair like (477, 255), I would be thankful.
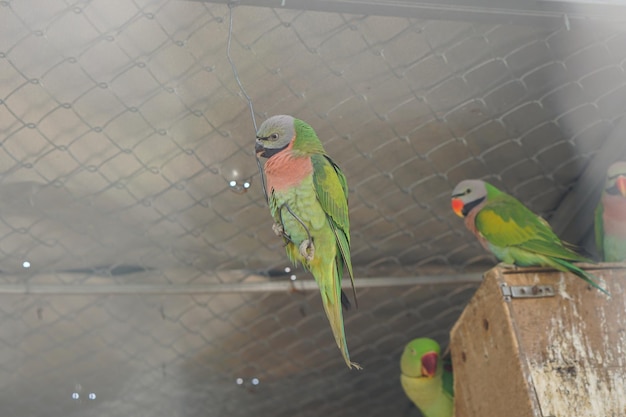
(284, 170)
(614, 214)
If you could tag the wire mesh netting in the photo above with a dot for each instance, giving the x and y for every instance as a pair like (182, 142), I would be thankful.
(128, 169)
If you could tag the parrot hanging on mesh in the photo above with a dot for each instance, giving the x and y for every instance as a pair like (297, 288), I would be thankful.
(610, 221)
(308, 199)
(427, 378)
(513, 233)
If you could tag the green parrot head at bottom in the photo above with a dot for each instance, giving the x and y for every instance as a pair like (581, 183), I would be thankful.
(420, 358)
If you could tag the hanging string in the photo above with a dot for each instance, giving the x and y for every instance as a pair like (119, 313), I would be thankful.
(243, 91)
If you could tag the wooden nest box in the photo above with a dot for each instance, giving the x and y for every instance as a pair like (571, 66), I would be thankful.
(538, 343)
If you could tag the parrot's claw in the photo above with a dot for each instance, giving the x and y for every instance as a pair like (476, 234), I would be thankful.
(355, 366)
(278, 229)
(508, 266)
(307, 250)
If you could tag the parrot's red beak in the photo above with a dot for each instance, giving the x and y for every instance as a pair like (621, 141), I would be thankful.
(457, 206)
(620, 183)
(429, 364)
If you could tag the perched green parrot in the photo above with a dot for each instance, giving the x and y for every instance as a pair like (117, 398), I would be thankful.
(513, 233)
(611, 215)
(308, 199)
(427, 379)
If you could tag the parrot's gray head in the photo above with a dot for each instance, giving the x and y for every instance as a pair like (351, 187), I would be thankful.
(274, 135)
(467, 195)
(616, 179)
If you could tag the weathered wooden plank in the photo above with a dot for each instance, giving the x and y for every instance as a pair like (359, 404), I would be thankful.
(552, 356)
(489, 374)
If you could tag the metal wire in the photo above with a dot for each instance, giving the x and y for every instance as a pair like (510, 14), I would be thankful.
(234, 67)
(243, 91)
(232, 288)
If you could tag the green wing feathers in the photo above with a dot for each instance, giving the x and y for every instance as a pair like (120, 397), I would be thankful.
(508, 225)
(447, 378)
(332, 193)
(330, 185)
(506, 222)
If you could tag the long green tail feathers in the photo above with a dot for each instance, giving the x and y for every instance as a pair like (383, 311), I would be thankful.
(331, 300)
(565, 266)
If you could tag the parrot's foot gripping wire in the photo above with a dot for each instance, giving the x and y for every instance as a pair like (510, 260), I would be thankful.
(279, 230)
(307, 249)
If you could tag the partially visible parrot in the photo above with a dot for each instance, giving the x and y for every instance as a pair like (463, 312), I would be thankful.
(513, 233)
(610, 221)
(308, 199)
(427, 379)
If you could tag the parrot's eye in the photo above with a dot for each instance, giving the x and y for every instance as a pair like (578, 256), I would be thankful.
(274, 136)
(413, 352)
(469, 190)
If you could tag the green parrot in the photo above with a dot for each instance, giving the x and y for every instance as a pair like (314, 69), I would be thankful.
(610, 221)
(513, 233)
(427, 379)
(308, 199)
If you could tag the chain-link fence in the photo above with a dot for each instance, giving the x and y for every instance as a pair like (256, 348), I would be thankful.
(132, 223)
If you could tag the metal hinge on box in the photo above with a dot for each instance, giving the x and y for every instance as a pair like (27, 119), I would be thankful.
(527, 291)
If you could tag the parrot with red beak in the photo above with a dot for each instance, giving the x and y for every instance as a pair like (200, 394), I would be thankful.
(426, 378)
(610, 220)
(308, 199)
(513, 233)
